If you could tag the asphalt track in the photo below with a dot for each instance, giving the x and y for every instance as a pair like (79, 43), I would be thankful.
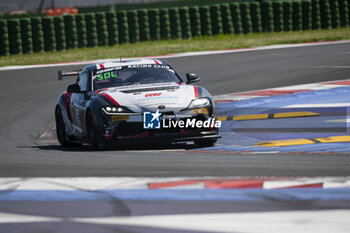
(28, 96)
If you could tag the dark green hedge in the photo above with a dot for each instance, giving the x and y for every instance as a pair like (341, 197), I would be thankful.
(326, 18)
(49, 34)
(226, 19)
(216, 20)
(102, 29)
(60, 33)
(144, 25)
(297, 16)
(154, 24)
(246, 19)
(316, 14)
(256, 16)
(91, 31)
(134, 30)
(112, 25)
(287, 16)
(4, 39)
(307, 15)
(185, 22)
(165, 32)
(123, 27)
(278, 16)
(344, 13)
(81, 31)
(71, 31)
(205, 21)
(334, 5)
(36, 34)
(175, 24)
(26, 35)
(348, 9)
(195, 18)
(267, 16)
(236, 18)
(14, 32)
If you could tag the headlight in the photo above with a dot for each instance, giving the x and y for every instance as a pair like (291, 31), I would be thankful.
(199, 103)
(115, 110)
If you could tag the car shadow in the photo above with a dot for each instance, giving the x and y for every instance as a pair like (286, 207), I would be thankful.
(140, 147)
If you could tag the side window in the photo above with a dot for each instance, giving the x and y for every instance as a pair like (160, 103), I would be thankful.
(84, 81)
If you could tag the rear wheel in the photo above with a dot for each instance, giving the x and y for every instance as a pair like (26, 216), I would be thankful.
(62, 136)
(92, 134)
(61, 129)
(205, 142)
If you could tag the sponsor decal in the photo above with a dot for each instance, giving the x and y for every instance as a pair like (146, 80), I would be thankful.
(191, 123)
(157, 97)
(149, 66)
(153, 120)
(153, 94)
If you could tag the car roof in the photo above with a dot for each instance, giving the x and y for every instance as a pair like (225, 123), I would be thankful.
(130, 62)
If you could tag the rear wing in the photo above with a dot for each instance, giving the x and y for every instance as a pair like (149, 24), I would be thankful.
(62, 74)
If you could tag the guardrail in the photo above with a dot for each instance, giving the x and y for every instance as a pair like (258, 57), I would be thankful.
(59, 33)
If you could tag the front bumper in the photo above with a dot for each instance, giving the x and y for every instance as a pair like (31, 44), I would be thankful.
(131, 129)
(146, 138)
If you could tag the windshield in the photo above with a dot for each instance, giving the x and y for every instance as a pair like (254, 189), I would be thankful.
(133, 75)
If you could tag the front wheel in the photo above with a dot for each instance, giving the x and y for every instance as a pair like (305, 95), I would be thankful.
(92, 134)
(205, 142)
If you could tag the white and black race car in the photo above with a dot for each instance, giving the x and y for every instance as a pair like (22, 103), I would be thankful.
(134, 101)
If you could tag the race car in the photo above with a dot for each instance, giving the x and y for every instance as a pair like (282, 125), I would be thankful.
(136, 101)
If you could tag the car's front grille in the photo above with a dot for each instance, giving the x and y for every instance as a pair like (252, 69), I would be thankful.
(135, 128)
(129, 128)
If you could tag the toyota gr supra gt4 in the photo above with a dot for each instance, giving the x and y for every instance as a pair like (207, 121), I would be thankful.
(134, 101)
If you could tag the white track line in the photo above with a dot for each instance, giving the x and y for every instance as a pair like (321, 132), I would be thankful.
(312, 105)
(187, 54)
(21, 218)
(320, 221)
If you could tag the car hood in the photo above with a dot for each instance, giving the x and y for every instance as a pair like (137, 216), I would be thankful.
(148, 97)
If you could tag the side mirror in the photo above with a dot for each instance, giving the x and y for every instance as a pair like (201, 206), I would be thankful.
(192, 78)
(74, 88)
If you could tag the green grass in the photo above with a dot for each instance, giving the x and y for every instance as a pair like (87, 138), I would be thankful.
(154, 48)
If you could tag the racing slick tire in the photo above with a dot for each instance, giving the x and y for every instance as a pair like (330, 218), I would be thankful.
(205, 142)
(61, 131)
(93, 139)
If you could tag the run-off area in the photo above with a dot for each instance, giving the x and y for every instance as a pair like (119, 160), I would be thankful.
(183, 204)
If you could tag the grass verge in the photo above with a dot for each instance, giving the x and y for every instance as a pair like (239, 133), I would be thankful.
(151, 48)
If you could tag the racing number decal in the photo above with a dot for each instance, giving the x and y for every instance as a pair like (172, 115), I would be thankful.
(106, 75)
